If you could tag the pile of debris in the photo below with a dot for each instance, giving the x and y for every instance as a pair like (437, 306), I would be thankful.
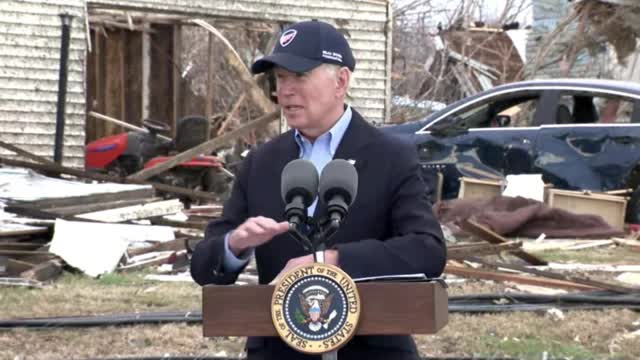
(49, 223)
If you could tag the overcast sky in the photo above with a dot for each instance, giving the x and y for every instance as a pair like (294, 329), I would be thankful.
(488, 11)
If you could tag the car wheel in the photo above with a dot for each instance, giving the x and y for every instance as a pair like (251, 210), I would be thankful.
(633, 208)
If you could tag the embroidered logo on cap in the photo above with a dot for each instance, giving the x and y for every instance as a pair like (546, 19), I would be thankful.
(287, 37)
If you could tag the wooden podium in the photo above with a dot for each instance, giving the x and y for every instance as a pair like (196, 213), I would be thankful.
(387, 308)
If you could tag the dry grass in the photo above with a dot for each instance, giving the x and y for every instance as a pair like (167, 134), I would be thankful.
(526, 335)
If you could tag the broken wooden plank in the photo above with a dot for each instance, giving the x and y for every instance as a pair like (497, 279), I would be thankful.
(19, 246)
(499, 276)
(172, 245)
(486, 234)
(143, 211)
(189, 224)
(100, 206)
(630, 243)
(15, 267)
(28, 211)
(55, 168)
(25, 253)
(205, 147)
(9, 281)
(85, 200)
(24, 153)
(160, 258)
(44, 271)
(582, 280)
(124, 124)
(26, 230)
(590, 267)
(590, 245)
(460, 252)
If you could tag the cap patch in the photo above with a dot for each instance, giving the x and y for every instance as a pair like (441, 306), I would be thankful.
(287, 37)
(332, 55)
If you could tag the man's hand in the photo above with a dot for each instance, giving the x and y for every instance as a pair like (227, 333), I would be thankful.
(330, 257)
(253, 232)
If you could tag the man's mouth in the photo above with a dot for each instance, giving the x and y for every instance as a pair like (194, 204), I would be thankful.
(292, 108)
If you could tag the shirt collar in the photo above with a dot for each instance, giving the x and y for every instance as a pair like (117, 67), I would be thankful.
(336, 132)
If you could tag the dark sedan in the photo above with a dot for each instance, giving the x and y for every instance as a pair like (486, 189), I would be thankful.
(579, 134)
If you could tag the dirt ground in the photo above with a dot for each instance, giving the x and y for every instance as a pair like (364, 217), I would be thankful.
(604, 334)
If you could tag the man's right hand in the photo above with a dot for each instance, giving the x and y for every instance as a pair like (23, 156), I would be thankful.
(253, 232)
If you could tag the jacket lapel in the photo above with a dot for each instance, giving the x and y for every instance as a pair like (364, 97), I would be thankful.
(355, 137)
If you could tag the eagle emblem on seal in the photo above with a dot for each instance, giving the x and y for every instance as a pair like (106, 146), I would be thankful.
(315, 302)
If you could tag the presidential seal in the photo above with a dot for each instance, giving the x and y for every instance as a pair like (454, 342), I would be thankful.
(315, 308)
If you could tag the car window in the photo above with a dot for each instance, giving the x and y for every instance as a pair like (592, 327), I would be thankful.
(593, 109)
(521, 115)
(505, 113)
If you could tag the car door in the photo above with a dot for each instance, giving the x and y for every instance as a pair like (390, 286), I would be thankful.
(484, 141)
(587, 147)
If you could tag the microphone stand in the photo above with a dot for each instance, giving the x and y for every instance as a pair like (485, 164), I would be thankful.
(317, 248)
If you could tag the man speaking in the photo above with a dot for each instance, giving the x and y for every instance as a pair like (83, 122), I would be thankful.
(389, 228)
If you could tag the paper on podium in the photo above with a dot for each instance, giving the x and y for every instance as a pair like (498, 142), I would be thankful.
(399, 278)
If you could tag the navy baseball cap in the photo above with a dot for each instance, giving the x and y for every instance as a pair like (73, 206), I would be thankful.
(304, 46)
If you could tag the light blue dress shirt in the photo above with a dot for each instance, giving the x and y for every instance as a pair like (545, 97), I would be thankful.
(320, 152)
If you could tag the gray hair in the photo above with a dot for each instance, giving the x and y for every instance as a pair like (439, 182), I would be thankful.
(333, 70)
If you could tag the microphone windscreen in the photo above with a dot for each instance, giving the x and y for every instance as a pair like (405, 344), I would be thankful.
(299, 178)
(339, 177)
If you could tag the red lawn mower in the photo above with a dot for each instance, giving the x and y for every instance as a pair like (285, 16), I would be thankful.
(127, 153)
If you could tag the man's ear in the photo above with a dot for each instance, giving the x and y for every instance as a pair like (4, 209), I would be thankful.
(342, 84)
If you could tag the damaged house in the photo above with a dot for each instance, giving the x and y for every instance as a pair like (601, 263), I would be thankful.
(161, 60)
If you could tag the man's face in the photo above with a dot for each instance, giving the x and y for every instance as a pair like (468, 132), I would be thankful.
(309, 101)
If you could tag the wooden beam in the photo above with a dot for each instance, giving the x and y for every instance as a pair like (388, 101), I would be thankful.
(10, 233)
(486, 234)
(582, 280)
(205, 148)
(99, 206)
(461, 252)
(26, 252)
(83, 200)
(122, 123)
(24, 153)
(498, 276)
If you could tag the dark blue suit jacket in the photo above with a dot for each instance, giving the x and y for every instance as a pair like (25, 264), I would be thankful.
(390, 228)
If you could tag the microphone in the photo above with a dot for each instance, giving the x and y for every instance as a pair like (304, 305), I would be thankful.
(338, 188)
(298, 187)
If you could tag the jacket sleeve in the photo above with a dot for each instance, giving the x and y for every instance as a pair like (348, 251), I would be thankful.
(207, 261)
(416, 243)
